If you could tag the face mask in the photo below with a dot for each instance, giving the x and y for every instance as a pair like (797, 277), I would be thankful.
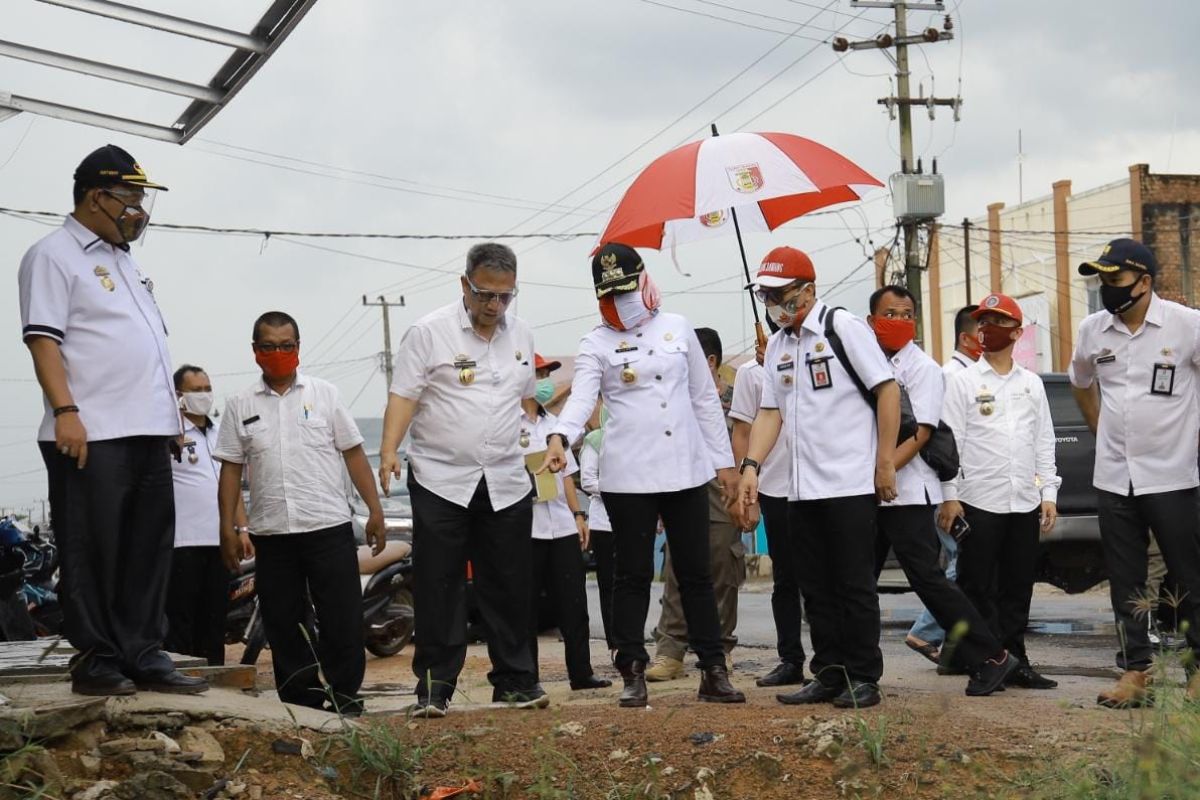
(198, 403)
(973, 348)
(1119, 299)
(787, 313)
(130, 223)
(894, 334)
(278, 365)
(994, 338)
(544, 391)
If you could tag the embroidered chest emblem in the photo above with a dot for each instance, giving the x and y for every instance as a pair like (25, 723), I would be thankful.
(106, 280)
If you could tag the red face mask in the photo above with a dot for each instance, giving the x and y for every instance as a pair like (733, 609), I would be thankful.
(995, 338)
(279, 364)
(894, 334)
(973, 348)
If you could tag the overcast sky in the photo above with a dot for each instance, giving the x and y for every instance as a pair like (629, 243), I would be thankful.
(464, 117)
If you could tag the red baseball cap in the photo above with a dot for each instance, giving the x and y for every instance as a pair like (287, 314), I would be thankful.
(782, 266)
(541, 363)
(999, 304)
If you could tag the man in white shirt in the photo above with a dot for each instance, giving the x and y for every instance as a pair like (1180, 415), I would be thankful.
(198, 595)
(1001, 421)
(773, 486)
(297, 441)
(1135, 376)
(99, 348)
(838, 472)
(460, 376)
(907, 523)
(926, 636)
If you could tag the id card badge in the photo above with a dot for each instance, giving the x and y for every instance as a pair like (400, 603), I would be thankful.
(819, 374)
(1163, 381)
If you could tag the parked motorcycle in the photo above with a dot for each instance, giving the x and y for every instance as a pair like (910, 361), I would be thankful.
(387, 604)
(29, 605)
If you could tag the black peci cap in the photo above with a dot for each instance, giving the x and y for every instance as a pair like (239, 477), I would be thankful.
(1122, 254)
(111, 165)
(616, 268)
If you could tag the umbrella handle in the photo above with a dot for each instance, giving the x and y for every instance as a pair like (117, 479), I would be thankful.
(760, 335)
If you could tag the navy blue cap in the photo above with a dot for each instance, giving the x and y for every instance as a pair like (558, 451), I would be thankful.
(1122, 254)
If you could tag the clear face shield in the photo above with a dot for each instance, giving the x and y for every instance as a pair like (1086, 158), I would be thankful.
(137, 204)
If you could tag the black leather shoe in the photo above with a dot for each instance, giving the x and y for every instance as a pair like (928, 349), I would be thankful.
(786, 674)
(716, 688)
(590, 682)
(812, 693)
(1024, 677)
(634, 693)
(991, 675)
(173, 682)
(103, 684)
(859, 694)
(946, 667)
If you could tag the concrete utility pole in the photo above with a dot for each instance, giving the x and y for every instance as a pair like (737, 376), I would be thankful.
(386, 355)
(966, 226)
(903, 102)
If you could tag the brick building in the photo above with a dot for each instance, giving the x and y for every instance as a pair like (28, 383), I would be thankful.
(1030, 251)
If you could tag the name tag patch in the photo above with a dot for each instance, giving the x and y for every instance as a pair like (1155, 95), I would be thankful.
(1106, 359)
(1163, 381)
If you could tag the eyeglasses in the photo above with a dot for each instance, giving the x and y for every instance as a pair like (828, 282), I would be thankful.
(130, 199)
(487, 297)
(776, 296)
(286, 347)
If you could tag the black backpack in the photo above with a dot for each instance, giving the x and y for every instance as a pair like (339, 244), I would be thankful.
(940, 452)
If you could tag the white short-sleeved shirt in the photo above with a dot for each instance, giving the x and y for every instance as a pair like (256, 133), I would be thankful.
(552, 519)
(831, 429)
(197, 520)
(293, 445)
(1005, 439)
(774, 475)
(1147, 433)
(468, 391)
(589, 480)
(916, 482)
(956, 364)
(91, 298)
(666, 430)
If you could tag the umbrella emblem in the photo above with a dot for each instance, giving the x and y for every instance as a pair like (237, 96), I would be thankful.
(745, 178)
(712, 220)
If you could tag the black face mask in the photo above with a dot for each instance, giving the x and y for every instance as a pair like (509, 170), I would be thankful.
(1119, 299)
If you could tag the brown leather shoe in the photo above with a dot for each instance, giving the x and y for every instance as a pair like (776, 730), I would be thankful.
(1133, 690)
(634, 693)
(716, 688)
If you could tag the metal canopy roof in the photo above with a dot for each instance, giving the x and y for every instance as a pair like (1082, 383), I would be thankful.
(250, 51)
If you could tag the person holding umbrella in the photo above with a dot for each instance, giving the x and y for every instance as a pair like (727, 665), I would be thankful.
(665, 439)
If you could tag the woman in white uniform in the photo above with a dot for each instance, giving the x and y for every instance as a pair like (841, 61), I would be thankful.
(665, 439)
(560, 534)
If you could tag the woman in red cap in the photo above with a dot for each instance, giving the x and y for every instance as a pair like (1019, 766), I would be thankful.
(560, 533)
(665, 439)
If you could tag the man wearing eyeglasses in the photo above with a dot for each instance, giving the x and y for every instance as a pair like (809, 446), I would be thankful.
(99, 347)
(460, 376)
(295, 436)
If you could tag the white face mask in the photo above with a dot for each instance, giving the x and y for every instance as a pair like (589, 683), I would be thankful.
(198, 403)
(631, 308)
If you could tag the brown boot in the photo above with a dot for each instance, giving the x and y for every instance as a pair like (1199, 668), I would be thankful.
(716, 688)
(1133, 690)
(634, 693)
(1193, 688)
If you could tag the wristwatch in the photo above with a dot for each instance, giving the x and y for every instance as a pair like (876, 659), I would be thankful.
(749, 462)
(240, 529)
(583, 514)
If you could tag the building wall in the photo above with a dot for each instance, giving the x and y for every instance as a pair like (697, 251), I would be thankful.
(1171, 228)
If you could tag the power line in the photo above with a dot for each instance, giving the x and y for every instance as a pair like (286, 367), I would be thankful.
(730, 21)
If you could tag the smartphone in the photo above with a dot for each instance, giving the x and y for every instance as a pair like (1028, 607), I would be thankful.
(959, 529)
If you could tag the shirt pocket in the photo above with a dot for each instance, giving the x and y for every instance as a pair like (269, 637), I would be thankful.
(257, 437)
(316, 432)
(628, 369)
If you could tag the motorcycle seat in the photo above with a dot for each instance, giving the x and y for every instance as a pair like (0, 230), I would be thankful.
(391, 553)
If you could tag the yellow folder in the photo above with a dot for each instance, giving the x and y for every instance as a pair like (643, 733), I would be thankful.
(545, 484)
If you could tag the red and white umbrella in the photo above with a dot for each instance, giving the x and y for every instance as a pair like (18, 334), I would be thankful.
(728, 184)
(768, 178)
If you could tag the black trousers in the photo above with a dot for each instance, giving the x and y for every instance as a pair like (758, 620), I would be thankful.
(996, 564)
(1125, 523)
(114, 525)
(785, 590)
(325, 562)
(197, 601)
(912, 533)
(498, 543)
(558, 568)
(835, 549)
(634, 519)
(603, 545)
